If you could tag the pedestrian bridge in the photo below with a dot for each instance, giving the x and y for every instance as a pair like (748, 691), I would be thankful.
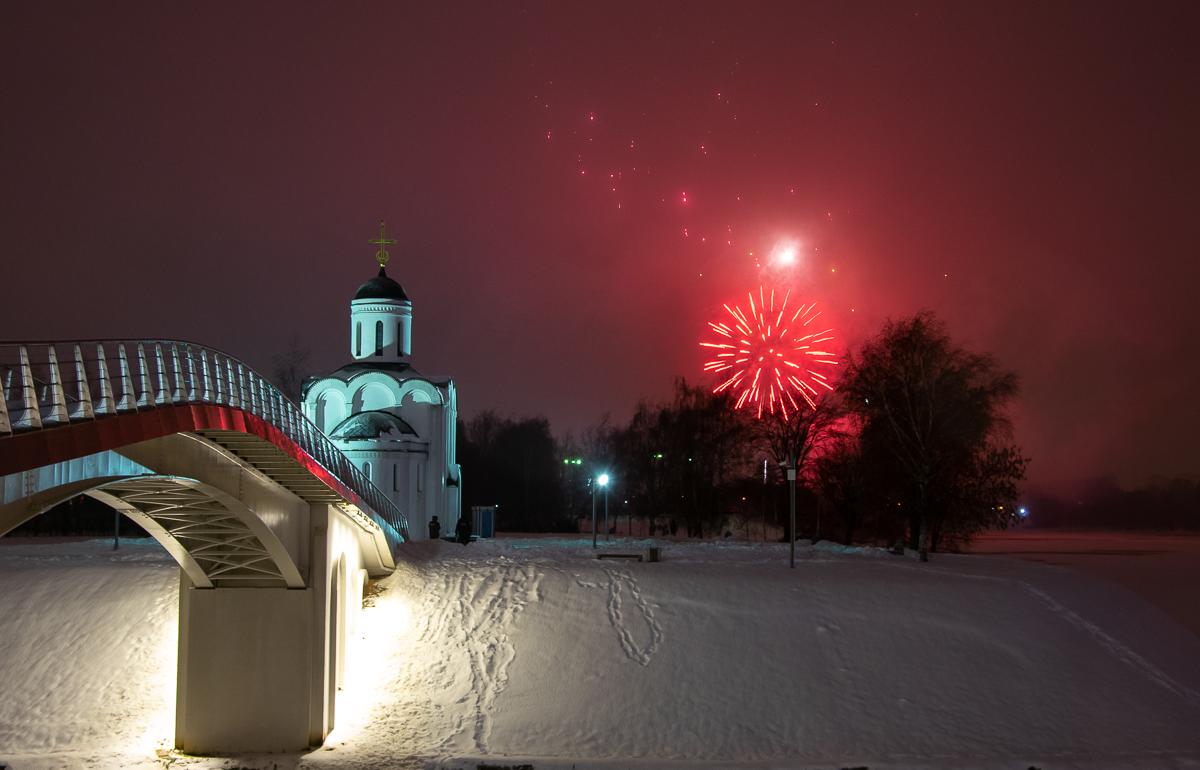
(274, 529)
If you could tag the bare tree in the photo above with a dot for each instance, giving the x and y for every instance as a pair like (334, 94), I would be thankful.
(803, 433)
(290, 368)
(936, 410)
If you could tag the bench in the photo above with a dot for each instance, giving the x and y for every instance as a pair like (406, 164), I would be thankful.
(631, 556)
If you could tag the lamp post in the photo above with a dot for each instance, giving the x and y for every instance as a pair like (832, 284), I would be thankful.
(791, 475)
(602, 480)
(593, 486)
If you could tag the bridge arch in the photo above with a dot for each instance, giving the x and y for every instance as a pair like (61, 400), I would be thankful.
(215, 539)
(262, 511)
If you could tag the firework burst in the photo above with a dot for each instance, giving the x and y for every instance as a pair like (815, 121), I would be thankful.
(771, 357)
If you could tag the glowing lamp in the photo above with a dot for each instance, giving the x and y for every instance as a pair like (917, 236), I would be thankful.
(602, 480)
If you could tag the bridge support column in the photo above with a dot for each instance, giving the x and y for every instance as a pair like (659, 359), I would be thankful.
(245, 657)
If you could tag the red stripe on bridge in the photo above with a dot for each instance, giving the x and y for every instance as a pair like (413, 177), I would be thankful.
(36, 448)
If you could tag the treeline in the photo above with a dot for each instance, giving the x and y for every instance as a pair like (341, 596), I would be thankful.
(79, 516)
(1163, 504)
(513, 464)
(912, 445)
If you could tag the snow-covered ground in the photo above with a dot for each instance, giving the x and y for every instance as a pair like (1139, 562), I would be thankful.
(1162, 568)
(718, 657)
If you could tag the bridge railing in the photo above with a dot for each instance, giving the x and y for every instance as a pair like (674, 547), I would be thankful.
(46, 384)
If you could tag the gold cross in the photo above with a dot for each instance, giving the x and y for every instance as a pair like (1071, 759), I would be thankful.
(382, 242)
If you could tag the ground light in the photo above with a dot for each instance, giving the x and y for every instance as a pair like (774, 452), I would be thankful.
(379, 630)
(159, 735)
(603, 481)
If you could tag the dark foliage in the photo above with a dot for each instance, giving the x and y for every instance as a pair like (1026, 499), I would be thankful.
(679, 461)
(514, 465)
(80, 515)
(1166, 504)
(932, 420)
(289, 368)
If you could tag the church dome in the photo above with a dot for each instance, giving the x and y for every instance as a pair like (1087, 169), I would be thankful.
(370, 426)
(381, 287)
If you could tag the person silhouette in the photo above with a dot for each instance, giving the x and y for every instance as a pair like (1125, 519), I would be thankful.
(463, 530)
(435, 528)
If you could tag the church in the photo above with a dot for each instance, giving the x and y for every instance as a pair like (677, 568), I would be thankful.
(393, 422)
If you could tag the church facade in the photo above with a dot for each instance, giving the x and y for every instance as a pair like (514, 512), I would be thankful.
(393, 422)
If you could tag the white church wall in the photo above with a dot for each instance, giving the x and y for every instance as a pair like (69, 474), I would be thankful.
(372, 396)
(331, 409)
(380, 330)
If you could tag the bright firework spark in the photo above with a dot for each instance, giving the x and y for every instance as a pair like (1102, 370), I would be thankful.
(785, 253)
(770, 356)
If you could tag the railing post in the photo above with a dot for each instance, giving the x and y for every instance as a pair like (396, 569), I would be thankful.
(83, 394)
(222, 383)
(143, 400)
(256, 404)
(5, 425)
(103, 383)
(56, 401)
(160, 376)
(231, 378)
(177, 376)
(30, 416)
(244, 396)
(128, 401)
(206, 377)
(191, 374)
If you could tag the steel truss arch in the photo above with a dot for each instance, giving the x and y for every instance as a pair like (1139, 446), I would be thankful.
(215, 538)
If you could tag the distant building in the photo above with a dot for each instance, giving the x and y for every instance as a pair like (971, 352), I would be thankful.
(393, 422)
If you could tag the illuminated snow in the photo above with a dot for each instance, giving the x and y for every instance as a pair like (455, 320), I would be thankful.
(530, 648)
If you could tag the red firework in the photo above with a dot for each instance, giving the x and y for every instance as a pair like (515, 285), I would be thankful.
(771, 357)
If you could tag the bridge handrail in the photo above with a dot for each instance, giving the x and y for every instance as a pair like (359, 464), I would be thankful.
(40, 392)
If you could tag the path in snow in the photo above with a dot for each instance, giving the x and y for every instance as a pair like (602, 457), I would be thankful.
(1160, 567)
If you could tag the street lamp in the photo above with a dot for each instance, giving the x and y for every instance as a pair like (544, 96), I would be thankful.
(602, 480)
(791, 477)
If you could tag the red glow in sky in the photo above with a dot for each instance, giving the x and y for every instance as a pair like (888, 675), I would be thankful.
(1024, 172)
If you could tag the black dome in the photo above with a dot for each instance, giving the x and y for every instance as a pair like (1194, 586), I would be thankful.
(371, 425)
(381, 287)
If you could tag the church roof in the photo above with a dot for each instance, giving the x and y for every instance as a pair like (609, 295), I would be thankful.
(371, 425)
(399, 371)
(381, 287)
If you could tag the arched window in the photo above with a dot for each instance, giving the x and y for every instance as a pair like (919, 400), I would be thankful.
(358, 340)
(367, 470)
(400, 340)
(379, 338)
(331, 410)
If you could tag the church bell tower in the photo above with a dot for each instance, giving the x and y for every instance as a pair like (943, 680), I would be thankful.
(381, 315)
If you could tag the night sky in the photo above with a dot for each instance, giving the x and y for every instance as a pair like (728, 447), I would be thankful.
(575, 191)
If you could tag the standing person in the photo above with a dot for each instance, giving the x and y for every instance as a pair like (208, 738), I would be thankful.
(435, 528)
(463, 530)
